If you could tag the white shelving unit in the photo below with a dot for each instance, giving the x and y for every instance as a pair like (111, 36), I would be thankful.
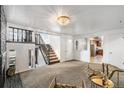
(11, 63)
(12, 58)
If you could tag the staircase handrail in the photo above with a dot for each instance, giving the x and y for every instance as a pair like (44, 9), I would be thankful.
(45, 48)
(112, 73)
(42, 42)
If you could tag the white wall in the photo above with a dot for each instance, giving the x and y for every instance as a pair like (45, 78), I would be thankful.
(114, 50)
(55, 44)
(81, 53)
(22, 56)
(41, 61)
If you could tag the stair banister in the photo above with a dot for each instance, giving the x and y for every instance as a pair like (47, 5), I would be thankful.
(44, 49)
(112, 73)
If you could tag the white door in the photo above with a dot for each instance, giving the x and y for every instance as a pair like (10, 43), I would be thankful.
(66, 48)
(63, 49)
(69, 49)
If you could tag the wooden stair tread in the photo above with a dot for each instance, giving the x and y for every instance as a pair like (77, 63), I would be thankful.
(56, 60)
(53, 57)
(51, 54)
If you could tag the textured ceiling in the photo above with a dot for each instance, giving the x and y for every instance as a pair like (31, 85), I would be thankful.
(84, 18)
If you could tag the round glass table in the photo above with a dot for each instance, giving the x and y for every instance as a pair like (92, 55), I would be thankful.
(98, 81)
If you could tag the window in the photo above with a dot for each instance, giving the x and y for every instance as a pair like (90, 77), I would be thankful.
(15, 35)
(24, 36)
(36, 39)
(30, 36)
(19, 35)
(27, 36)
(10, 35)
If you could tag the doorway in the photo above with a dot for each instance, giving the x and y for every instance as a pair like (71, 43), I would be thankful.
(96, 49)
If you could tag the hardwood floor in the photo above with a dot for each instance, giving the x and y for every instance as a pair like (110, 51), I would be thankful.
(96, 59)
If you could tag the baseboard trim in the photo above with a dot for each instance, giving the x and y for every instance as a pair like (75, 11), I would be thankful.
(71, 60)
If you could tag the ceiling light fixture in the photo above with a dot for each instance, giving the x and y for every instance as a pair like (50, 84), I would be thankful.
(63, 20)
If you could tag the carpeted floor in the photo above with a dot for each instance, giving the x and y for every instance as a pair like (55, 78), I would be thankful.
(13, 82)
(72, 72)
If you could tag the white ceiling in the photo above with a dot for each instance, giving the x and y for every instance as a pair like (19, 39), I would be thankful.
(84, 18)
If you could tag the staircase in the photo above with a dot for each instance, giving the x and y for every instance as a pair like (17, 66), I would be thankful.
(47, 51)
(52, 55)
